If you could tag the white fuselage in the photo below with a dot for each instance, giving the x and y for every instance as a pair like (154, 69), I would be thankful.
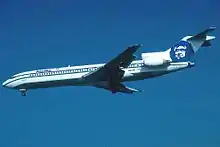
(72, 76)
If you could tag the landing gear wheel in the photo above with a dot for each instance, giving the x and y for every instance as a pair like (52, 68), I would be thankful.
(23, 92)
(113, 92)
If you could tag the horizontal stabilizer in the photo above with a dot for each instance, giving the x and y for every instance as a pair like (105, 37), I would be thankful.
(210, 37)
(207, 41)
(206, 44)
(201, 39)
(203, 35)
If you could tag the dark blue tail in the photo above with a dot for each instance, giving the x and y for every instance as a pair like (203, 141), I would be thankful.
(181, 52)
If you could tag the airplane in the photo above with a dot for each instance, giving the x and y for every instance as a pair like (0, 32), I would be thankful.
(122, 68)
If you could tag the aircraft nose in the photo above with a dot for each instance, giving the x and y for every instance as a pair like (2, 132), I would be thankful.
(4, 84)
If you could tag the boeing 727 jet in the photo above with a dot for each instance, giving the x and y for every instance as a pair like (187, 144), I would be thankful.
(124, 67)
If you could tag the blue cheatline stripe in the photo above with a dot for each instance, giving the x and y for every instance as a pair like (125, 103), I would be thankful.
(16, 80)
(70, 71)
(19, 78)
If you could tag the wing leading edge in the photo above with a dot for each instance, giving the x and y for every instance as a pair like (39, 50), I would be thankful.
(111, 73)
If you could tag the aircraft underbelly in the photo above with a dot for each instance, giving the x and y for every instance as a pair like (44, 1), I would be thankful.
(144, 75)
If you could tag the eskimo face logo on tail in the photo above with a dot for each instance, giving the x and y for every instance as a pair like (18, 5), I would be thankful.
(180, 51)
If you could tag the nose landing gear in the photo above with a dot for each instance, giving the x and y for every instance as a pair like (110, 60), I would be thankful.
(23, 92)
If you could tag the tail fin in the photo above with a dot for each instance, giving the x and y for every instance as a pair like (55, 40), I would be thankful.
(189, 45)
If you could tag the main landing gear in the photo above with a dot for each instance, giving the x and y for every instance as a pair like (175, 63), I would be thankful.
(23, 92)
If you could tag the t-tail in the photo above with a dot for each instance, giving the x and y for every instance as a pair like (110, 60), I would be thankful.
(184, 50)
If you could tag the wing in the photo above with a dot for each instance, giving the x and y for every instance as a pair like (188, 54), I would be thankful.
(124, 58)
(117, 88)
(112, 69)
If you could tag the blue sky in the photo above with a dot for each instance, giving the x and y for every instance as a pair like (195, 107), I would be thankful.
(180, 109)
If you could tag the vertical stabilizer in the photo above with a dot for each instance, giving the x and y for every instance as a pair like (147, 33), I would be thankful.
(183, 50)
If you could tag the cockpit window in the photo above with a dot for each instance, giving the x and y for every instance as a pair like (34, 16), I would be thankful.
(18, 75)
(13, 76)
